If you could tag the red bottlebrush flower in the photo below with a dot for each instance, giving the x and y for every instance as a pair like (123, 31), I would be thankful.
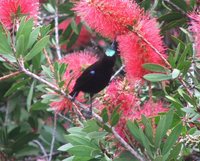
(119, 17)
(195, 28)
(109, 18)
(10, 10)
(121, 93)
(149, 109)
(136, 52)
(84, 36)
(77, 62)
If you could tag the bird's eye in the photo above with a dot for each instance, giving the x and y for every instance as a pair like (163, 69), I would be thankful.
(92, 72)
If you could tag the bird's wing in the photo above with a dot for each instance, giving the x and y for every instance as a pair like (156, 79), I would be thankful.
(85, 77)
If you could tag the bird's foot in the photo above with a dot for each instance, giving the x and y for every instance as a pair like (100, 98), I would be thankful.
(87, 114)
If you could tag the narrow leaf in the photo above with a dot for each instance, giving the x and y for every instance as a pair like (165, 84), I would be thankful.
(37, 48)
(157, 77)
(171, 139)
(155, 67)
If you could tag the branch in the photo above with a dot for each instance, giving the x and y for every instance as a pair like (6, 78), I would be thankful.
(8, 61)
(48, 60)
(41, 147)
(65, 118)
(117, 72)
(53, 136)
(97, 117)
(10, 75)
(58, 52)
(53, 16)
(120, 139)
(176, 7)
(152, 47)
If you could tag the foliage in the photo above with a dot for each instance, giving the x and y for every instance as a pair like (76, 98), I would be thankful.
(29, 83)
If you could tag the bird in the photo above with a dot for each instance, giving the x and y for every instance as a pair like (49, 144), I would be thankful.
(97, 76)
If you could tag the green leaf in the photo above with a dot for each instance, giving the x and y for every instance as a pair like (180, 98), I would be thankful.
(157, 77)
(173, 24)
(45, 30)
(163, 125)
(25, 28)
(181, 4)
(134, 130)
(192, 101)
(159, 131)
(175, 151)
(90, 126)
(175, 73)
(97, 135)
(39, 106)
(76, 130)
(104, 115)
(47, 71)
(171, 16)
(171, 139)
(176, 102)
(23, 140)
(155, 67)
(73, 39)
(20, 46)
(145, 143)
(16, 86)
(62, 69)
(115, 116)
(33, 37)
(125, 156)
(114, 119)
(27, 151)
(65, 147)
(82, 151)
(30, 96)
(37, 48)
(69, 159)
(74, 26)
(66, 34)
(5, 47)
(78, 140)
(148, 129)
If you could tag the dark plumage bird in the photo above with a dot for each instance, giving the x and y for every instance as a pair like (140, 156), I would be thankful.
(97, 76)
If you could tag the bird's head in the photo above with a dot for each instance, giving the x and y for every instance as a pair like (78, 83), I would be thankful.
(112, 50)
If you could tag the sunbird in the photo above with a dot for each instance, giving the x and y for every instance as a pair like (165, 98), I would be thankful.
(97, 76)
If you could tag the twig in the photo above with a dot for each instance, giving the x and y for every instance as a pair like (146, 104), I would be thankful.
(7, 61)
(156, 50)
(79, 113)
(48, 59)
(65, 118)
(163, 58)
(97, 117)
(186, 87)
(58, 51)
(53, 136)
(121, 140)
(10, 75)
(39, 157)
(41, 147)
(117, 72)
(175, 6)
(53, 16)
